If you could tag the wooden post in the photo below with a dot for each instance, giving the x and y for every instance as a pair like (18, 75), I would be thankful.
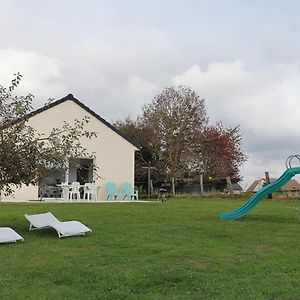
(268, 182)
(173, 186)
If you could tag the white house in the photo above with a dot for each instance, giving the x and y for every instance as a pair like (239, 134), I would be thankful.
(114, 153)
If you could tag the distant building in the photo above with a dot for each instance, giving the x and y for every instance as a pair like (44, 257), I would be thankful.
(292, 185)
(237, 189)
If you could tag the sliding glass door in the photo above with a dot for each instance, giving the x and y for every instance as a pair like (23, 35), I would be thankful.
(77, 170)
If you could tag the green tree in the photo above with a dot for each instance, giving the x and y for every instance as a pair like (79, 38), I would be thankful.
(25, 154)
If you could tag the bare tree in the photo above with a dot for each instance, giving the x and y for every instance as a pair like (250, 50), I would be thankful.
(176, 117)
(175, 137)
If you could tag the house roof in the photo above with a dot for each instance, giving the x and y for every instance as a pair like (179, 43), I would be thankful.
(292, 185)
(87, 109)
(252, 186)
(236, 187)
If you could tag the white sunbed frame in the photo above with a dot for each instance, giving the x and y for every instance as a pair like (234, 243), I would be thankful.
(8, 235)
(63, 229)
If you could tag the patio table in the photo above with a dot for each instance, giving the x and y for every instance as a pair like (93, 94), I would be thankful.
(65, 192)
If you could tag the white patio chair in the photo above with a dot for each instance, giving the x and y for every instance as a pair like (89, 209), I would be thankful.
(64, 229)
(90, 192)
(74, 190)
(8, 235)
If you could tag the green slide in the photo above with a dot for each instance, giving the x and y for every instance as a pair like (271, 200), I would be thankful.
(257, 197)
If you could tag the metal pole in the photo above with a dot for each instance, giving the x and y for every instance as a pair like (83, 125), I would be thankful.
(67, 171)
(149, 183)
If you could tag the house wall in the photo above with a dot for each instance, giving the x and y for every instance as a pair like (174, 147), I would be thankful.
(25, 193)
(114, 154)
(259, 185)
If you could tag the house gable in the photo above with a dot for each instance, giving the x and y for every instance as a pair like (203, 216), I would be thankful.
(70, 97)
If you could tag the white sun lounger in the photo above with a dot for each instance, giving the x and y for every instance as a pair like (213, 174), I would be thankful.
(64, 229)
(8, 235)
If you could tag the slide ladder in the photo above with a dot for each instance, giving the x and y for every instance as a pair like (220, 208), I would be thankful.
(268, 189)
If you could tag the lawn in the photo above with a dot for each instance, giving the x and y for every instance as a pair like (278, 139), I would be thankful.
(175, 250)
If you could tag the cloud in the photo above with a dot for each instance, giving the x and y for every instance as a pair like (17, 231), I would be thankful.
(263, 102)
(41, 74)
(141, 88)
(116, 75)
(228, 76)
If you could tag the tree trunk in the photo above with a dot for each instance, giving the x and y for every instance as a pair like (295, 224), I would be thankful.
(229, 186)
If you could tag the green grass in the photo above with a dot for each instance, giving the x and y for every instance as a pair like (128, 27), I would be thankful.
(176, 250)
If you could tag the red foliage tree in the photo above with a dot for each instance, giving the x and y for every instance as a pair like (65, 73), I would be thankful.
(220, 152)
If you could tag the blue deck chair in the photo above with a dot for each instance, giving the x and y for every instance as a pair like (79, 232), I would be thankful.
(111, 191)
(129, 192)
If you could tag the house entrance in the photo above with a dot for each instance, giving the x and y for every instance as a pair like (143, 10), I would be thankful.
(79, 170)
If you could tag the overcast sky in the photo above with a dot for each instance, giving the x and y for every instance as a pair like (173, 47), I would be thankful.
(114, 56)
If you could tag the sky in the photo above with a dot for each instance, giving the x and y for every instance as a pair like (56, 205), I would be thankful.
(116, 55)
